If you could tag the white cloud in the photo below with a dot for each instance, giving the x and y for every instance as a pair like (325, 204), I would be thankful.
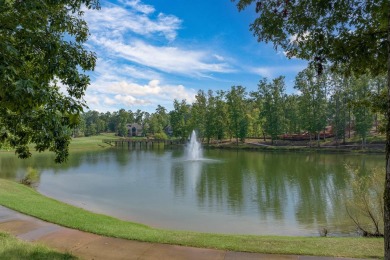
(109, 94)
(218, 57)
(92, 99)
(136, 56)
(129, 100)
(167, 59)
(276, 71)
(109, 101)
(264, 72)
(138, 6)
(115, 21)
(117, 32)
(153, 89)
(109, 70)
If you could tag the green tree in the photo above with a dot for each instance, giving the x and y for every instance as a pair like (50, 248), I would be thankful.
(80, 129)
(236, 107)
(221, 116)
(139, 116)
(180, 119)
(291, 114)
(94, 123)
(162, 117)
(144, 124)
(42, 48)
(123, 120)
(254, 123)
(113, 121)
(198, 113)
(210, 125)
(339, 105)
(216, 121)
(378, 102)
(354, 34)
(312, 101)
(363, 115)
(271, 96)
(158, 121)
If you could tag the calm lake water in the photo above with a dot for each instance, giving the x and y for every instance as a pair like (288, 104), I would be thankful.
(232, 192)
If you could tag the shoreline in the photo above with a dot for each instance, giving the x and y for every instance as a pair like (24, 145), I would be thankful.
(291, 146)
(28, 201)
(376, 146)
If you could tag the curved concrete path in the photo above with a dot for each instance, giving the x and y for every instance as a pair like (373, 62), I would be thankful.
(91, 246)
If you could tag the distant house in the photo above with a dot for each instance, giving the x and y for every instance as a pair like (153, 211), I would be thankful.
(168, 130)
(134, 129)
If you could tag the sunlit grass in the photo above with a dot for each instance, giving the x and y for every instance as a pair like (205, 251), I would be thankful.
(91, 142)
(14, 249)
(28, 201)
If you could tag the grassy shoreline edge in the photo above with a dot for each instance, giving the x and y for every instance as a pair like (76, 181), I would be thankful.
(28, 201)
(13, 248)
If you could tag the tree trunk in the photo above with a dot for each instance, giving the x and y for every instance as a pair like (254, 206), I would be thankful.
(325, 134)
(318, 139)
(386, 217)
(344, 142)
(349, 122)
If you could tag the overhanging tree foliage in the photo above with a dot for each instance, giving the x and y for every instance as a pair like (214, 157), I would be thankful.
(41, 43)
(354, 34)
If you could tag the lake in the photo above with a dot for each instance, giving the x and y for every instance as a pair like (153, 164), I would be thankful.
(246, 192)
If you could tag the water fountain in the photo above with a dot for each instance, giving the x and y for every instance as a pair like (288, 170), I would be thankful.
(194, 149)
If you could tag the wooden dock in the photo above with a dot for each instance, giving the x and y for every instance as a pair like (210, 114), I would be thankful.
(143, 143)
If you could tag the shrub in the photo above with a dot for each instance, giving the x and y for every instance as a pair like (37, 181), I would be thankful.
(162, 136)
(364, 202)
(31, 178)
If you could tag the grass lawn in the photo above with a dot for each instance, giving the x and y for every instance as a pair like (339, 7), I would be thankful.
(28, 201)
(12, 248)
(90, 143)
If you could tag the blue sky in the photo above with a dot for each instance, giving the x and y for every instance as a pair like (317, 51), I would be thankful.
(153, 51)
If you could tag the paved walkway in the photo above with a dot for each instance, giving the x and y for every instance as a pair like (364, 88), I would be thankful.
(91, 246)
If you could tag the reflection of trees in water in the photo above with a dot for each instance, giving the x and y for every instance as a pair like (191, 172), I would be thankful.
(318, 184)
(8, 167)
(305, 187)
(271, 189)
(321, 181)
(11, 166)
(177, 180)
(220, 190)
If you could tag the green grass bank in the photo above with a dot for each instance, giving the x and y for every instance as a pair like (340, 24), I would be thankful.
(12, 248)
(81, 144)
(26, 200)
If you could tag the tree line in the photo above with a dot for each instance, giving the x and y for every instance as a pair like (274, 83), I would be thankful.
(328, 100)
